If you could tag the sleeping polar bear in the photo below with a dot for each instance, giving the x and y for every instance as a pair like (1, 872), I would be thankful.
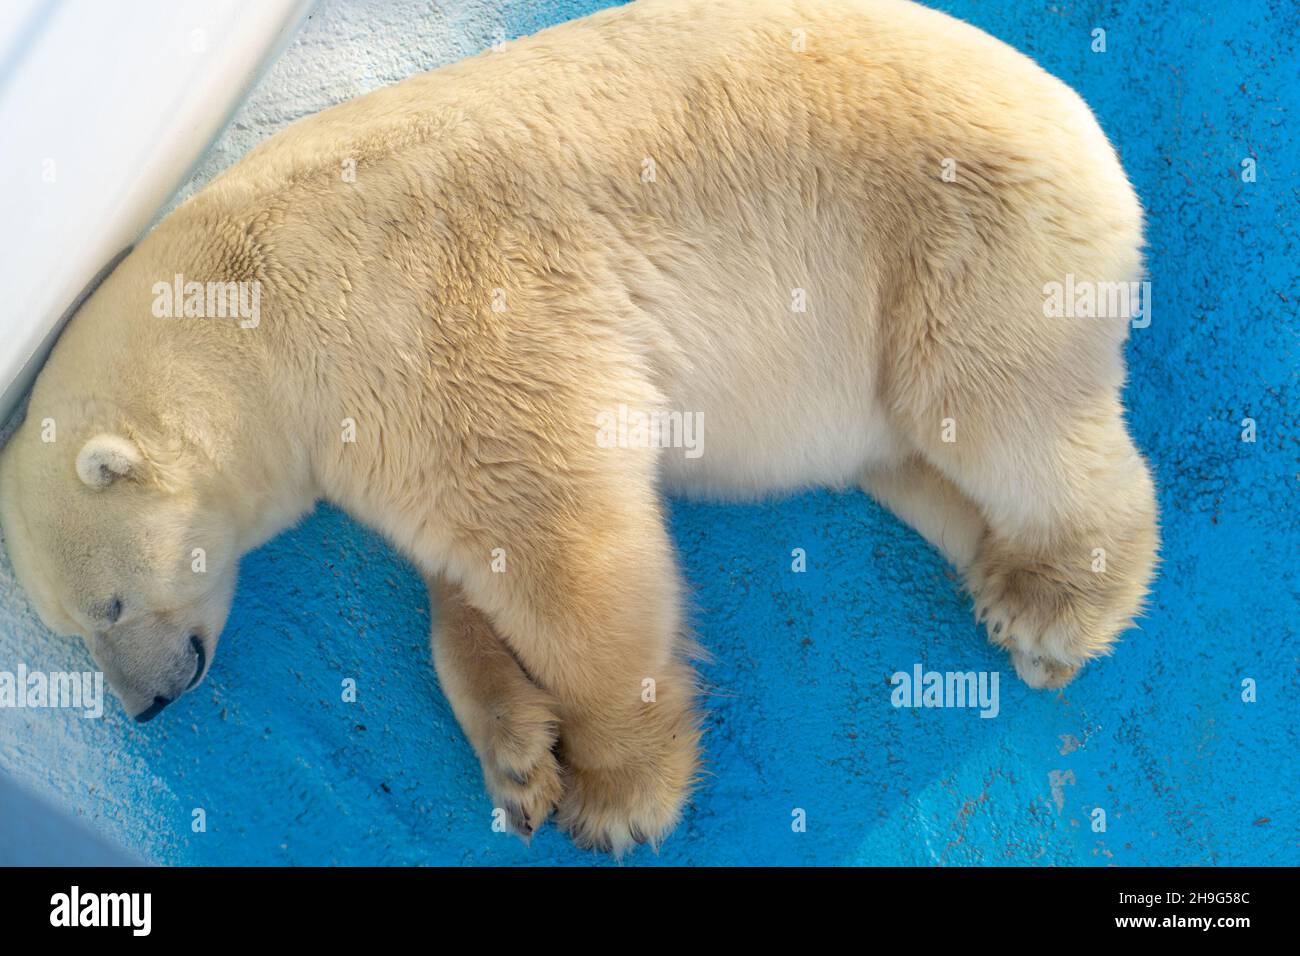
(822, 228)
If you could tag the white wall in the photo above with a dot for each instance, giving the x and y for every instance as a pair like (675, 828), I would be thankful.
(104, 109)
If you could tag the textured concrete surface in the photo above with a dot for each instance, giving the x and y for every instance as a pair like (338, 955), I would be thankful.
(799, 706)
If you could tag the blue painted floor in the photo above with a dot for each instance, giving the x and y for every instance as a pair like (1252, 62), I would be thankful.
(799, 712)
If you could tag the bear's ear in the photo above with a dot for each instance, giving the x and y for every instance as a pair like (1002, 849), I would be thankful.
(106, 458)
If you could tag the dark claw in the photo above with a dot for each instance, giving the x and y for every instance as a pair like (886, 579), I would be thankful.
(519, 821)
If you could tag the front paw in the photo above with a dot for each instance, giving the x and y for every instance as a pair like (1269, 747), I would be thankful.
(1051, 612)
(639, 800)
(520, 768)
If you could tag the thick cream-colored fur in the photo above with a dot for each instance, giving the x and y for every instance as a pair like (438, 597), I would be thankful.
(621, 211)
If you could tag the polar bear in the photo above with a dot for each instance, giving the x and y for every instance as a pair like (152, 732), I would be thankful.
(823, 230)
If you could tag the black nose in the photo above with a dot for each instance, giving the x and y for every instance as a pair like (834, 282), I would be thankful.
(196, 642)
(153, 710)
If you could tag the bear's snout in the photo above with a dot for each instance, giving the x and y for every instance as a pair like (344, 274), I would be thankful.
(147, 675)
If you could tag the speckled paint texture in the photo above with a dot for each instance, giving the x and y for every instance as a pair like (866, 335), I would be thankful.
(799, 713)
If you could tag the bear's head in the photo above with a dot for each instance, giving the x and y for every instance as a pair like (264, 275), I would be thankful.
(121, 546)
(157, 448)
